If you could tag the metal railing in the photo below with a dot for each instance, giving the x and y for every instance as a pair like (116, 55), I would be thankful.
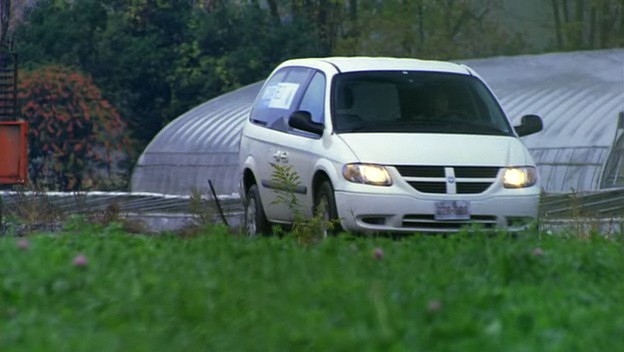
(157, 211)
(605, 205)
(143, 202)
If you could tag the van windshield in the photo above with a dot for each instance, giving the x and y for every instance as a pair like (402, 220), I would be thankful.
(415, 101)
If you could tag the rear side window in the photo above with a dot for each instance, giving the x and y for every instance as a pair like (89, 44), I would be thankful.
(279, 97)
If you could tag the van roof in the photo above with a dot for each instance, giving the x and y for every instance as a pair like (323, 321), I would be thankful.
(366, 63)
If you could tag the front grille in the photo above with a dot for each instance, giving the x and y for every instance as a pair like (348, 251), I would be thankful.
(472, 188)
(450, 179)
(429, 187)
(476, 171)
(421, 171)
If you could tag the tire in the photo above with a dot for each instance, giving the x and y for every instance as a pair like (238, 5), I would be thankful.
(256, 222)
(325, 202)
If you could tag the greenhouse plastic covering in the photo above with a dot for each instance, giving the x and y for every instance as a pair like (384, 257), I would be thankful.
(579, 95)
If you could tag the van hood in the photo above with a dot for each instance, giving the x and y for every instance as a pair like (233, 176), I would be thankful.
(437, 149)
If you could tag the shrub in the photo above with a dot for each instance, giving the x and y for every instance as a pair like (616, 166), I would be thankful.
(76, 136)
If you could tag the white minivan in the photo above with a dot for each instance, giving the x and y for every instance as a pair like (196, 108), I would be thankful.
(386, 144)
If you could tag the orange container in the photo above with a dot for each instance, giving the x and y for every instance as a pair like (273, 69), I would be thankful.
(13, 152)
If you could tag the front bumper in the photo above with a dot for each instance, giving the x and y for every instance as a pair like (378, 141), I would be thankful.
(372, 212)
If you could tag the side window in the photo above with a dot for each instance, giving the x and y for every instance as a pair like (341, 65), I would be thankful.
(279, 97)
(314, 98)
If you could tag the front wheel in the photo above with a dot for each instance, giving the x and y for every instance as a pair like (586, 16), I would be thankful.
(325, 205)
(256, 222)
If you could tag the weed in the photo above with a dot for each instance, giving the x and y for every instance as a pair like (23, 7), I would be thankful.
(105, 214)
(307, 230)
(31, 211)
(584, 223)
(36, 211)
(203, 210)
(204, 215)
(287, 181)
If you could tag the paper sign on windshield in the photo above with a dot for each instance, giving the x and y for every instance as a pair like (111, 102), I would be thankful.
(283, 95)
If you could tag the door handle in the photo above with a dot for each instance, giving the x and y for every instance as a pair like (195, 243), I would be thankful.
(280, 156)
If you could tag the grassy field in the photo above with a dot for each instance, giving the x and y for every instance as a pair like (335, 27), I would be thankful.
(96, 288)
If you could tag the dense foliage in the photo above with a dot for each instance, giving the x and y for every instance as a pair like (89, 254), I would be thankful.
(76, 135)
(97, 288)
(156, 59)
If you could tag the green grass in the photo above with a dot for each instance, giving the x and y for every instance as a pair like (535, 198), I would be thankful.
(218, 292)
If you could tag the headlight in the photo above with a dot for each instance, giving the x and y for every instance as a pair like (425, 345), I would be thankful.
(519, 177)
(369, 174)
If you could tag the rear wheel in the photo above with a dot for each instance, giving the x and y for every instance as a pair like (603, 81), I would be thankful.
(325, 204)
(256, 222)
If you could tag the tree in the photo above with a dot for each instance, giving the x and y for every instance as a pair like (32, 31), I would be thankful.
(155, 59)
(5, 15)
(230, 45)
(588, 24)
(127, 47)
(76, 135)
(425, 29)
(137, 52)
(11, 13)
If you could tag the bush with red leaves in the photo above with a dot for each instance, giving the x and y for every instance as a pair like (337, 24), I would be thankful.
(76, 136)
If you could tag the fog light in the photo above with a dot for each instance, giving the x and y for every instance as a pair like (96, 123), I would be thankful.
(374, 220)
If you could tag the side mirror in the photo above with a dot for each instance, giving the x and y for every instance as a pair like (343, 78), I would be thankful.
(302, 120)
(528, 125)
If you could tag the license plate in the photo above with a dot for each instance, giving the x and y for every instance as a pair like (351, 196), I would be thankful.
(452, 210)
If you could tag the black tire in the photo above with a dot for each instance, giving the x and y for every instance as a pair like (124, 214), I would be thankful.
(255, 222)
(325, 202)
